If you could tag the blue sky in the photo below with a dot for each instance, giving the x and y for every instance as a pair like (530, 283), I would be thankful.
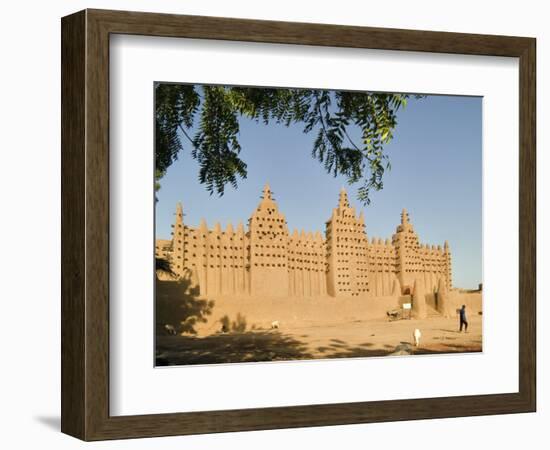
(436, 174)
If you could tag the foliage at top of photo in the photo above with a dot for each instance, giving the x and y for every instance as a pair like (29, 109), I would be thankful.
(334, 118)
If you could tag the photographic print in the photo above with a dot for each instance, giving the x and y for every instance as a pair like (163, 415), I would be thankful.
(301, 224)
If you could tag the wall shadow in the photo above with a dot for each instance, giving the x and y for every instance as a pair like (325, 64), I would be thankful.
(236, 326)
(178, 308)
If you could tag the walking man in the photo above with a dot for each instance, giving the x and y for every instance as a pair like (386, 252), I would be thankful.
(463, 319)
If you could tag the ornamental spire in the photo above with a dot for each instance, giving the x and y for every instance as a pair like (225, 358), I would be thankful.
(343, 200)
(179, 213)
(404, 217)
(267, 194)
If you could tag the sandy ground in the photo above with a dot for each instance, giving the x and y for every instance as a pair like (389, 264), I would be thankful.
(353, 339)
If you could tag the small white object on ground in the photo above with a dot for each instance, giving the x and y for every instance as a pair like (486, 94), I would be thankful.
(170, 329)
(417, 335)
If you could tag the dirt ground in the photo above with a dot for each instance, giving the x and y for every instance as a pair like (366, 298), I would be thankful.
(355, 339)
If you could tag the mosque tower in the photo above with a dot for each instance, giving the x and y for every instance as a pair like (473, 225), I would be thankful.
(347, 255)
(409, 264)
(268, 249)
(448, 272)
(178, 247)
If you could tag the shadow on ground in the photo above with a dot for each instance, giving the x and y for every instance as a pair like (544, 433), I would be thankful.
(273, 345)
(448, 348)
(229, 348)
(404, 348)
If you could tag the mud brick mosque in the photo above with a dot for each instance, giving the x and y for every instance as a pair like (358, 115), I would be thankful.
(267, 260)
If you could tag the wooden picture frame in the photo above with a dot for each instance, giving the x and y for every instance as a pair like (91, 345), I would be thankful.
(85, 224)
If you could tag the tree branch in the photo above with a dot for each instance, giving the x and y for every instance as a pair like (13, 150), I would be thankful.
(186, 135)
(351, 142)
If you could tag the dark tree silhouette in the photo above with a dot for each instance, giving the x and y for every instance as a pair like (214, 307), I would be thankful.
(330, 115)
